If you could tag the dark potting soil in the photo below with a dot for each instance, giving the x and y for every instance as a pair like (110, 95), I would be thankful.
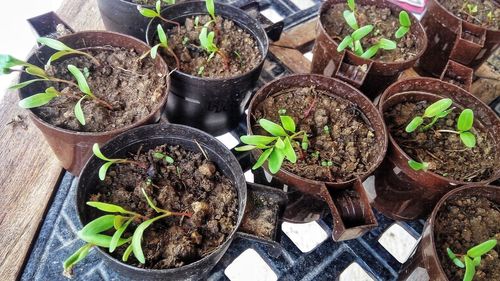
(444, 152)
(349, 143)
(463, 223)
(484, 7)
(385, 23)
(192, 184)
(130, 85)
(260, 215)
(238, 50)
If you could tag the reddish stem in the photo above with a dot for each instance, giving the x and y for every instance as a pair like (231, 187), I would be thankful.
(181, 214)
(172, 22)
(308, 111)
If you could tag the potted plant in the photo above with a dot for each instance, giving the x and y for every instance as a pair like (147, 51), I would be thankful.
(219, 52)
(368, 43)
(441, 137)
(460, 238)
(165, 202)
(323, 137)
(88, 87)
(466, 31)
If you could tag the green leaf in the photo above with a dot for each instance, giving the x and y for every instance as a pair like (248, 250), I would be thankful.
(414, 124)
(465, 120)
(79, 255)
(345, 43)
(109, 208)
(80, 78)
(104, 169)
(372, 51)
(57, 55)
(79, 111)
(161, 35)
(148, 13)
(350, 19)
(358, 49)
(477, 261)
(417, 166)
(482, 248)
(305, 142)
(37, 100)
(158, 155)
(169, 159)
(470, 269)
(118, 222)
(137, 238)
(351, 5)
(402, 30)
(97, 152)
(263, 157)
(450, 253)
(404, 19)
(288, 123)
(98, 225)
(54, 44)
(437, 107)
(289, 151)
(468, 139)
(101, 240)
(247, 147)
(257, 139)
(279, 144)
(150, 202)
(386, 44)
(37, 71)
(25, 83)
(127, 253)
(210, 8)
(117, 235)
(454, 258)
(158, 6)
(154, 51)
(272, 128)
(8, 61)
(361, 32)
(276, 160)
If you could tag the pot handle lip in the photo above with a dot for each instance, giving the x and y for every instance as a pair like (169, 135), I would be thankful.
(280, 198)
(46, 24)
(253, 8)
(459, 73)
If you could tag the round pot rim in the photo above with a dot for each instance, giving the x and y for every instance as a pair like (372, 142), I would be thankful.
(450, 14)
(378, 62)
(432, 218)
(264, 52)
(228, 239)
(394, 144)
(156, 108)
(384, 133)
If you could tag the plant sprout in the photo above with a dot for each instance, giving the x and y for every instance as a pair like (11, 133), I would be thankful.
(119, 219)
(472, 258)
(277, 147)
(417, 166)
(471, 8)
(148, 13)
(163, 156)
(490, 17)
(63, 50)
(104, 168)
(207, 41)
(405, 23)
(164, 44)
(210, 8)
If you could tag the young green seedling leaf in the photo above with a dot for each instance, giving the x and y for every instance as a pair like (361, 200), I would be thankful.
(97, 152)
(279, 144)
(289, 151)
(477, 261)
(402, 30)
(417, 166)
(305, 142)
(137, 238)
(207, 40)
(482, 248)
(361, 32)
(470, 269)
(148, 13)
(351, 5)
(465, 120)
(127, 253)
(437, 107)
(210, 8)
(404, 19)
(468, 139)
(386, 44)
(370, 52)
(79, 111)
(345, 43)
(98, 225)
(272, 128)
(117, 235)
(350, 19)
(40, 99)
(454, 258)
(257, 140)
(263, 157)
(79, 255)
(80, 78)
(276, 160)
(109, 208)
(414, 124)
(288, 123)
(150, 202)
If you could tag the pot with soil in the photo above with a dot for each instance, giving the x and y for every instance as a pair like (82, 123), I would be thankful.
(210, 87)
(336, 138)
(463, 218)
(425, 162)
(93, 90)
(376, 50)
(185, 198)
(464, 31)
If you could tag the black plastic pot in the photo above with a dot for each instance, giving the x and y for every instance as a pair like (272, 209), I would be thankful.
(154, 135)
(212, 105)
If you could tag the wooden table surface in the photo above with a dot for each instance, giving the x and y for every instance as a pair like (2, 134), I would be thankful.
(30, 172)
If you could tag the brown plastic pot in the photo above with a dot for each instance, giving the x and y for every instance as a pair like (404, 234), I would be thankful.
(347, 201)
(450, 37)
(402, 193)
(73, 148)
(425, 264)
(349, 67)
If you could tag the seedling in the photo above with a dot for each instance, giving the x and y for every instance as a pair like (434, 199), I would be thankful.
(464, 125)
(490, 17)
(148, 13)
(118, 218)
(404, 24)
(207, 41)
(326, 129)
(210, 8)
(326, 163)
(162, 156)
(104, 168)
(163, 44)
(472, 258)
(277, 147)
(471, 8)
(417, 166)
(63, 50)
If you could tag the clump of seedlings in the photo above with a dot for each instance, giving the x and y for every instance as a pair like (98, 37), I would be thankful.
(353, 41)
(163, 44)
(484, 13)
(472, 258)
(148, 13)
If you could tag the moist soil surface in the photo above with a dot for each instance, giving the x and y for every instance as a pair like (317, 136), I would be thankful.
(133, 88)
(463, 223)
(238, 49)
(385, 23)
(191, 185)
(444, 152)
(348, 142)
(481, 17)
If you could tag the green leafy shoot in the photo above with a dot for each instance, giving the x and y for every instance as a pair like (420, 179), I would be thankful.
(40, 99)
(63, 50)
(436, 110)
(352, 5)
(197, 21)
(404, 24)
(417, 166)
(108, 162)
(327, 163)
(77, 256)
(156, 13)
(490, 16)
(472, 258)
(279, 145)
(464, 124)
(162, 36)
(162, 156)
(210, 8)
(472, 9)
(207, 40)
(384, 44)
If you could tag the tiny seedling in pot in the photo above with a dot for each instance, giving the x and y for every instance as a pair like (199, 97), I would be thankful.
(148, 13)
(472, 258)
(207, 43)
(163, 44)
(277, 147)
(63, 50)
(104, 168)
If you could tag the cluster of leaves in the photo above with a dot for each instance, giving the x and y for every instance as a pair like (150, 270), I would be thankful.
(156, 13)
(108, 162)
(471, 8)
(277, 147)
(207, 41)
(353, 41)
(472, 258)
(436, 111)
(63, 50)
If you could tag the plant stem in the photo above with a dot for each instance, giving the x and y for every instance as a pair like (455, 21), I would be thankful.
(448, 131)
(91, 57)
(179, 214)
(172, 22)
(224, 59)
(177, 62)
